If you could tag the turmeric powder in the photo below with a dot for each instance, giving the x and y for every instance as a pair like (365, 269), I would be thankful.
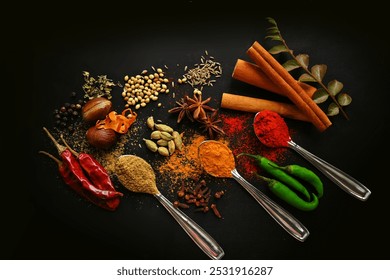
(217, 159)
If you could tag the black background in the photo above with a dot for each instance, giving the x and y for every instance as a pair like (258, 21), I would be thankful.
(43, 61)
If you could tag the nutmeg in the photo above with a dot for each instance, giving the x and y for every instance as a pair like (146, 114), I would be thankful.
(96, 109)
(101, 138)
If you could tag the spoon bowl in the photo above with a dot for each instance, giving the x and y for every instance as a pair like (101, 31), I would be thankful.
(125, 175)
(287, 221)
(337, 176)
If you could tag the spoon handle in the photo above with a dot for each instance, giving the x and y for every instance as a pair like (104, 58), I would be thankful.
(197, 234)
(280, 215)
(340, 178)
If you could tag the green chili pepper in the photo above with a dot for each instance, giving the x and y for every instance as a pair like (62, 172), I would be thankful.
(273, 169)
(289, 196)
(306, 175)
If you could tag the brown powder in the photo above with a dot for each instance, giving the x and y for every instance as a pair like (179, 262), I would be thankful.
(136, 174)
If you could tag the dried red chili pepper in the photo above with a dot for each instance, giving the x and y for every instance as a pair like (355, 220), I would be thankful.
(76, 185)
(96, 172)
(76, 169)
(74, 166)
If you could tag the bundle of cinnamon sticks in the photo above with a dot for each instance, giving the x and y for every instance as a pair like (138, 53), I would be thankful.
(269, 74)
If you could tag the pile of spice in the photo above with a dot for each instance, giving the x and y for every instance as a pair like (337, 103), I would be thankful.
(139, 90)
(184, 164)
(239, 130)
(203, 74)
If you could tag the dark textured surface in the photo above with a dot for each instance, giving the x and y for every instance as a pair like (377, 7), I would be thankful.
(45, 64)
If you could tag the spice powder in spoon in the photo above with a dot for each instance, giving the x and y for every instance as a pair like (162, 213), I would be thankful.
(136, 174)
(216, 158)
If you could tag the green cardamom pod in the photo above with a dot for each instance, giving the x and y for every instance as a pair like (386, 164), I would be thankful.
(150, 122)
(177, 140)
(163, 151)
(155, 135)
(151, 145)
(166, 136)
(163, 127)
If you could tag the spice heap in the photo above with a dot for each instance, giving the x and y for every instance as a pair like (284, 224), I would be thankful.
(203, 73)
(216, 159)
(136, 174)
(271, 129)
(100, 87)
(139, 90)
(163, 138)
(68, 113)
(242, 140)
(184, 164)
(200, 196)
(196, 109)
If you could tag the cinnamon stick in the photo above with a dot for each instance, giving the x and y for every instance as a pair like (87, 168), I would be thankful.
(254, 105)
(252, 74)
(280, 76)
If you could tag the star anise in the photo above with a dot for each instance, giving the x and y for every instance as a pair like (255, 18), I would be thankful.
(211, 125)
(183, 110)
(198, 106)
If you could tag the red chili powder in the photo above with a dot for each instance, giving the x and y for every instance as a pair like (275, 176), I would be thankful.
(239, 129)
(271, 129)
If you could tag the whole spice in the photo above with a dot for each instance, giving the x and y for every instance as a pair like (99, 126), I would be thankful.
(75, 167)
(271, 129)
(96, 172)
(216, 158)
(279, 75)
(211, 125)
(68, 113)
(120, 123)
(96, 109)
(203, 74)
(71, 181)
(101, 138)
(140, 90)
(252, 74)
(254, 105)
(100, 87)
(315, 74)
(71, 168)
(163, 139)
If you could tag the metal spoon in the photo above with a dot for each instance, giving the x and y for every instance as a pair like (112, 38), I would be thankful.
(197, 233)
(287, 221)
(340, 178)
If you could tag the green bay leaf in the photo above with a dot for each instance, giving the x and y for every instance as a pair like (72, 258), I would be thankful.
(275, 37)
(271, 20)
(272, 30)
(278, 49)
(303, 59)
(333, 109)
(291, 65)
(335, 87)
(306, 78)
(318, 71)
(344, 99)
(320, 96)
